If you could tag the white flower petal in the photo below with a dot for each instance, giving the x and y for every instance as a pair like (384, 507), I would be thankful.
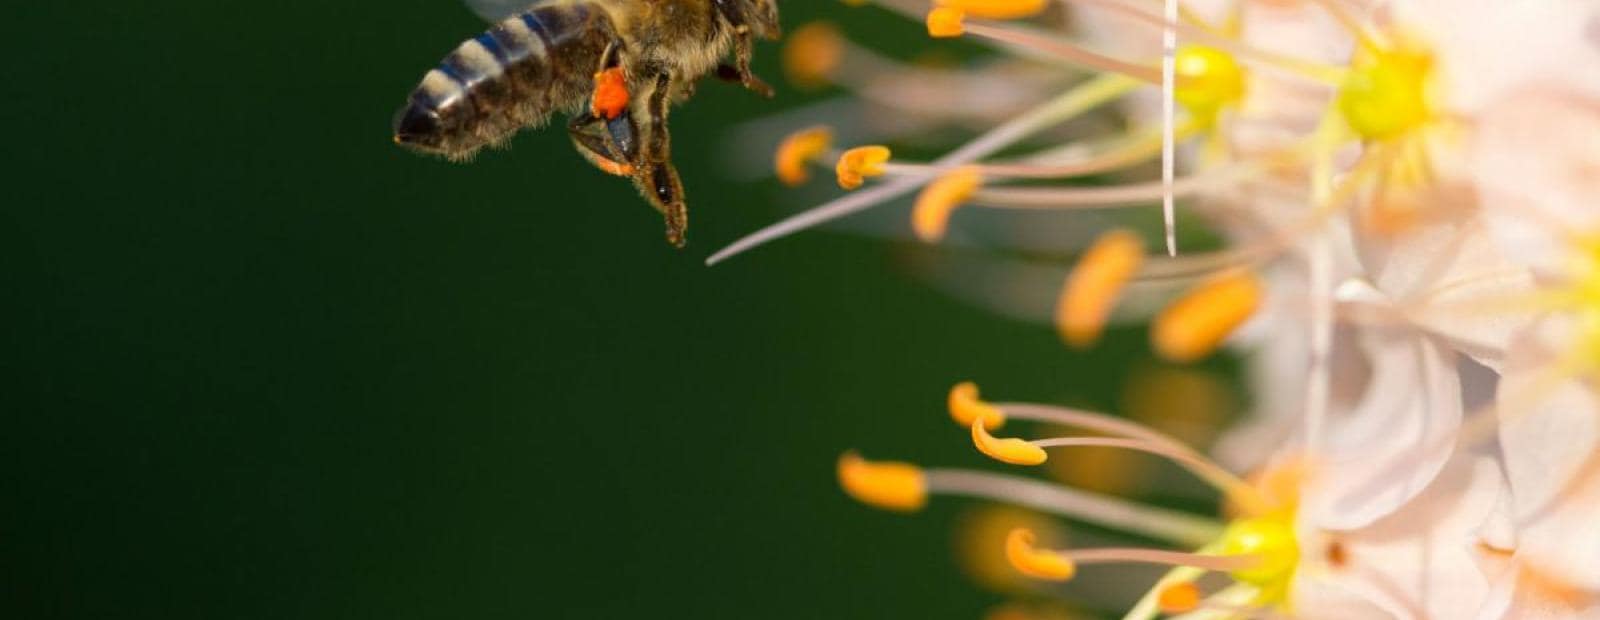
(1536, 156)
(1442, 274)
(1549, 428)
(1407, 570)
(1385, 450)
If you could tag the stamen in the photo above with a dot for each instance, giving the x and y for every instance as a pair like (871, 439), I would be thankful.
(1133, 149)
(888, 485)
(856, 164)
(1084, 97)
(1089, 420)
(1192, 327)
(1179, 528)
(1008, 450)
(967, 409)
(1218, 563)
(1036, 563)
(797, 151)
(1065, 51)
(1236, 489)
(1095, 284)
(1106, 196)
(1124, 151)
(930, 216)
(1061, 565)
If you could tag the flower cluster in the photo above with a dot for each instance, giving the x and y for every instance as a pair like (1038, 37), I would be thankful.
(1406, 200)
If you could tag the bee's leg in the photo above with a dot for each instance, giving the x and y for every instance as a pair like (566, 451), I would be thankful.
(655, 176)
(612, 146)
(744, 47)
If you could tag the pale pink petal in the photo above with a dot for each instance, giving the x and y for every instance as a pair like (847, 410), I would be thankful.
(1536, 156)
(1549, 425)
(1382, 452)
(1406, 570)
(1443, 274)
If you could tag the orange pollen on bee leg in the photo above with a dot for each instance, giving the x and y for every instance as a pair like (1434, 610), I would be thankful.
(798, 150)
(930, 217)
(856, 164)
(946, 23)
(610, 94)
(1094, 286)
(1193, 326)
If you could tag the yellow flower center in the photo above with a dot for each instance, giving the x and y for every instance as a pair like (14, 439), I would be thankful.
(1270, 538)
(1385, 94)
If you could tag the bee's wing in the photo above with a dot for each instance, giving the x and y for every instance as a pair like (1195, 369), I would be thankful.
(496, 10)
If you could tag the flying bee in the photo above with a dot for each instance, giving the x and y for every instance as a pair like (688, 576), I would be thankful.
(615, 66)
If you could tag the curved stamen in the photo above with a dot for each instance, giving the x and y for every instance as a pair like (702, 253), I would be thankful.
(1236, 489)
(1088, 420)
(1180, 528)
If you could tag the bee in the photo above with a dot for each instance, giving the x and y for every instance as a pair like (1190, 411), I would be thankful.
(614, 66)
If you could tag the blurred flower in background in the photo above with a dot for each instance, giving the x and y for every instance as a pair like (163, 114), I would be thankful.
(1387, 209)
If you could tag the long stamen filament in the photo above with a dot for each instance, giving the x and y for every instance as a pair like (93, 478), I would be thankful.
(1084, 97)
(1064, 51)
(1107, 555)
(1129, 151)
(1236, 489)
(1104, 196)
(1088, 420)
(1179, 528)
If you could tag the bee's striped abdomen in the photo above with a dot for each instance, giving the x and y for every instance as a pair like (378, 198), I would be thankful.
(512, 76)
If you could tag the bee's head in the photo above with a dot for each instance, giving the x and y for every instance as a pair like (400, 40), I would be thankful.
(763, 15)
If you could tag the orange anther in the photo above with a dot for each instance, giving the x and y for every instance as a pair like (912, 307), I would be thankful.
(859, 163)
(887, 485)
(1179, 598)
(1037, 563)
(997, 9)
(1193, 326)
(966, 407)
(812, 54)
(800, 149)
(1094, 286)
(945, 23)
(930, 216)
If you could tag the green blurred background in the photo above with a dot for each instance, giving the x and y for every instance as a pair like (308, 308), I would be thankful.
(266, 365)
